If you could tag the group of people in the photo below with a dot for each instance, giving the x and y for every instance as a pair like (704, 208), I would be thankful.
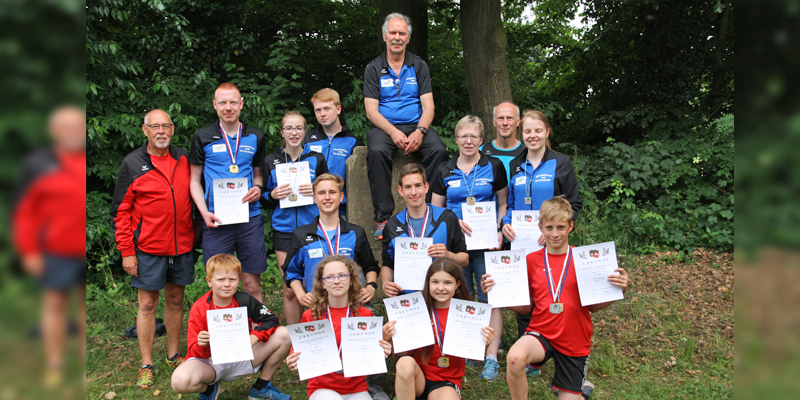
(326, 262)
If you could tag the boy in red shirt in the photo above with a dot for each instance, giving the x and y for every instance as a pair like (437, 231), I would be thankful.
(560, 329)
(271, 343)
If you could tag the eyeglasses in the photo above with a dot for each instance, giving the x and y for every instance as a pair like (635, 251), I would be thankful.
(298, 129)
(340, 277)
(155, 127)
(464, 138)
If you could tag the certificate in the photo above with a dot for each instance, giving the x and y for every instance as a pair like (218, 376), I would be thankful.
(229, 334)
(462, 336)
(317, 343)
(413, 328)
(295, 174)
(510, 274)
(362, 353)
(593, 264)
(228, 206)
(411, 261)
(526, 228)
(482, 218)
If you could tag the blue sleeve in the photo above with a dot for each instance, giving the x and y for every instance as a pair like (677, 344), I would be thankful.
(507, 217)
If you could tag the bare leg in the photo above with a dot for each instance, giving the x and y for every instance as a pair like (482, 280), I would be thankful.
(251, 284)
(444, 393)
(291, 306)
(54, 326)
(526, 350)
(409, 379)
(80, 319)
(193, 376)
(271, 353)
(562, 395)
(146, 323)
(173, 316)
(496, 322)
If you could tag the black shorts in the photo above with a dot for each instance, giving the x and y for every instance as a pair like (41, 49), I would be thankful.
(155, 271)
(433, 385)
(63, 273)
(570, 371)
(281, 241)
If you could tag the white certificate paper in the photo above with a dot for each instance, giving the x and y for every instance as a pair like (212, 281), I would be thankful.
(482, 218)
(463, 337)
(593, 264)
(362, 353)
(526, 228)
(295, 174)
(229, 334)
(317, 342)
(228, 206)
(510, 274)
(411, 262)
(413, 328)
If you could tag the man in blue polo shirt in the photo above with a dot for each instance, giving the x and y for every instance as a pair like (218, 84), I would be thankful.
(506, 146)
(399, 102)
(227, 149)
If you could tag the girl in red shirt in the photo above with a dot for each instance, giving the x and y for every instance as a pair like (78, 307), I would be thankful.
(425, 370)
(336, 294)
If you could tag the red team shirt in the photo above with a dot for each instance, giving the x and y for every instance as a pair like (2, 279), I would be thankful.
(333, 381)
(571, 331)
(455, 372)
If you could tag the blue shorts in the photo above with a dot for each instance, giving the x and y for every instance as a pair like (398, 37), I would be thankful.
(247, 239)
(477, 268)
(155, 271)
(63, 273)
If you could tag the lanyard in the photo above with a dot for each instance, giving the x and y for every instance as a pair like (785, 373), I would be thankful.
(551, 285)
(228, 143)
(333, 251)
(329, 319)
(424, 223)
(474, 178)
(439, 333)
(529, 186)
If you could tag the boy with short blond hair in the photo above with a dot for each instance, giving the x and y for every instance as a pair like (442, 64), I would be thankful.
(271, 343)
(560, 327)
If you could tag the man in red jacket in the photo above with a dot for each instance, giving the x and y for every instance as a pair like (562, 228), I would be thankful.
(152, 220)
(49, 230)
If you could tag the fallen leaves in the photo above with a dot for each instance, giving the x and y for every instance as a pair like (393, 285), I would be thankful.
(110, 395)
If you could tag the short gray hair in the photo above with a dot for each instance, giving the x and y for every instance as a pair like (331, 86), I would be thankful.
(469, 120)
(146, 119)
(494, 110)
(392, 16)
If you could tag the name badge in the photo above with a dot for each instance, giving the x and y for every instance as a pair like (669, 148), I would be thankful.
(318, 149)
(454, 184)
(520, 180)
(218, 148)
(315, 253)
(387, 82)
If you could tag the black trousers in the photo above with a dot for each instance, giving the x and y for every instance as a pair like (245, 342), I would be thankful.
(380, 149)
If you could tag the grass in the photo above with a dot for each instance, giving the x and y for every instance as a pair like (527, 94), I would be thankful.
(670, 338)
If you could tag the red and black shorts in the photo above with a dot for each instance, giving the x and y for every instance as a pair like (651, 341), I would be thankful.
(570, 371)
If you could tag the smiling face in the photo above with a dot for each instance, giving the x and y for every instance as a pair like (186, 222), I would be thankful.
(327, 197)
(228, 103)
(160, 137)
(223, 284)
(293, 131)
(396, 36)
(413, 190)
(469, 140)
(534, 134)
(556, 234)
(442, 288)
(332, 280)
(506, 120)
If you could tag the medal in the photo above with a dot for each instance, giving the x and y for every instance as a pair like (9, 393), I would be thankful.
(470, 197)
(292, 197)
(556, 307)
(528, 201)
(234, 169)
(443, 362)
(471, 200)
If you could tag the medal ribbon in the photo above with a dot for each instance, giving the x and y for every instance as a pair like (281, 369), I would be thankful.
(529, 186)
(333, 251)
(424, 223)
(329, 319)
(439, 333)
(464, 178)
(551, 285)
(228, 143)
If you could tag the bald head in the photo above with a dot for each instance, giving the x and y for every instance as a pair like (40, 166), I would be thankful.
(506, 119)
(160, 113)
(67, 127)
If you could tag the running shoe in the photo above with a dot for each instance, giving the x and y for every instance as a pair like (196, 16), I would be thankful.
(268, 392)
(214, 393)
(144, 378)
(379, 229)
(175, 361)
(490, 369)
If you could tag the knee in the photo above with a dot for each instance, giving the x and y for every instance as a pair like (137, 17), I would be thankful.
(288, 294)
(281, 336)
(405, 368)
(147, 305)
(180, 382)
(175, 298)
(251, 286)
(516, 360)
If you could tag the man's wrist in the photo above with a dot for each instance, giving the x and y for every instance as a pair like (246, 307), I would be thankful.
(260, 188)
(422, 129)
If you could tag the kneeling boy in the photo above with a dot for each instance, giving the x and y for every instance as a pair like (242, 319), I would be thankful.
(560, 327)
(271, 343)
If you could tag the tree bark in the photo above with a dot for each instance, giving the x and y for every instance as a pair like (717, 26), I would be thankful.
(722, 67)
(417, 10)
(484, 41)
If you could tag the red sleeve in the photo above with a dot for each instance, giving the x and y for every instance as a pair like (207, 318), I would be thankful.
(197, 324)
(27, 222)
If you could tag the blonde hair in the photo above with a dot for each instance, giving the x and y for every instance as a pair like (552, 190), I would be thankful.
(328, 177)
(469, 120)
(293, 114)
(223, 263)
(319, 296)
(326, 95)
(556, 209)
(533, 114)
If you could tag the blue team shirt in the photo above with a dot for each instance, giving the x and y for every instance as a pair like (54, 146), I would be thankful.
(485, 179)
(398, 95)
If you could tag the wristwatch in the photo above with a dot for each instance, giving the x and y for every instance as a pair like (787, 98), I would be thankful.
(261, 188)
(373, 284)
(423, 129)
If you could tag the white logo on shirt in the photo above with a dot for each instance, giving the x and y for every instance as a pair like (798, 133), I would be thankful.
(145, 168)
(387, 82)
(315, 253)
(318, 149)
(218, 148)
(454, 184)
(520, 180)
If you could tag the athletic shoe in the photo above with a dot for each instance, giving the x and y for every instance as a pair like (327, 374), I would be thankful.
(531, 371)
(588, 388)
(490, 368)
(214, 393)
(268, 392)
(376, 392)
(471, 363)
(379, 229)
(176, 360)
(144, 378)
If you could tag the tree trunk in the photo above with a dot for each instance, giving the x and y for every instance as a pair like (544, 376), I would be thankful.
(417, 10)
(484, 41)
(722, 67)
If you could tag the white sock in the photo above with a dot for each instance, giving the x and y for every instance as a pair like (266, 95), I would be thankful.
(488, 357)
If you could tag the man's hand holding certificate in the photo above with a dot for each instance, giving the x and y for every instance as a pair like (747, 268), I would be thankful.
(463, 337)
(228, 204)
(362, 353)
(509, 271)
(413, 327)
(593, 264)
(411, 261)
(316, 343)
(482, 219)
(526, 227)
(229, 334)
(294, 174)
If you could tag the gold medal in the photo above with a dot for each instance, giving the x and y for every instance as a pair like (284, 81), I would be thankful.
(292, 197)
(471, 200)
(443, 362)
(556, 308)
(234, 169)
(528, 201)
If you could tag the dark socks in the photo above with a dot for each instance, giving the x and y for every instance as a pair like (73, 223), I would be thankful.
(209, 389)
(260, 384)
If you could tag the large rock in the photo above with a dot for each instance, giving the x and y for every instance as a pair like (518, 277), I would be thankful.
(359, 197)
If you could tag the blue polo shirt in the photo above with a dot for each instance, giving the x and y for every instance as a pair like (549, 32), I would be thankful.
(398, 95)
(485, 179)
(503, 155)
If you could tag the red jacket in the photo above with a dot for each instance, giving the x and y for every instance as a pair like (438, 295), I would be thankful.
(149, 214)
